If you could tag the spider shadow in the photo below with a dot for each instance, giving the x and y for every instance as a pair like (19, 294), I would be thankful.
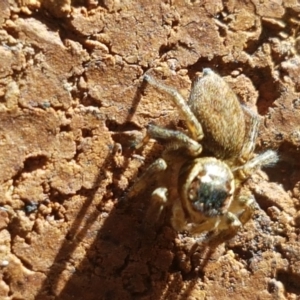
(123, 261)
(116, 264)
(184, 282)
(113, 266)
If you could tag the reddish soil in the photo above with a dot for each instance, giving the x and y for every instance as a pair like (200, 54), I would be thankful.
(72, 104)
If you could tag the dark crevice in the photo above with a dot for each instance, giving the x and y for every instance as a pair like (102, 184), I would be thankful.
(253, 44)
(65, 128)
(269, 89)
(87, 100)
(57, 196)
(222, 32)
(264, 201)
(114, 126)
(281, 172)
(290, 281)
(174, 23)
(30, 206)
(214, 64)
(271, 30)
(85, 132)
(6, 277)
(34, 163)
(289, 154)
(79, 151)
(166, 48)
(242, 253)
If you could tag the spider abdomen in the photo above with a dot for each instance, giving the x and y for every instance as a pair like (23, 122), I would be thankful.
(222, 118)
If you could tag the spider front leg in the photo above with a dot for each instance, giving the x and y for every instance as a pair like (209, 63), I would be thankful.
(231, 225)
(225, 226)
(217, 225)
(239, 213)
(148, 177)
(220, 229)
(192, 122)
(267, 158)
(159, 196)
(176, 139)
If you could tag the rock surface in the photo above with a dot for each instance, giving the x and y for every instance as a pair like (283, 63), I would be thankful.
(73, 104)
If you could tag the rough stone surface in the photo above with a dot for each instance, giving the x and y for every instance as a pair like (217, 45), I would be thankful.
(72, 104)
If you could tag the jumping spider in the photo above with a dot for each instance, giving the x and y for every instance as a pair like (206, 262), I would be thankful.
(204, 186)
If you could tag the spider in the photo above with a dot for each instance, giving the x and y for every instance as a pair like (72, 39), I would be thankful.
(202, 171)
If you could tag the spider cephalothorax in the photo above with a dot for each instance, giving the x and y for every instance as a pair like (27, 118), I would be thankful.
(206, 192)
(207, 186)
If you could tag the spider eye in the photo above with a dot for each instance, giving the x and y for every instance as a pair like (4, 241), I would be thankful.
(207, 197)
(206, 186)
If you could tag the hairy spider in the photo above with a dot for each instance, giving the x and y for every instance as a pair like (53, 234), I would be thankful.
(203, 183)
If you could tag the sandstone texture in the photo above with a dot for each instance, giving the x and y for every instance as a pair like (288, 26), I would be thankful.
(73, 104)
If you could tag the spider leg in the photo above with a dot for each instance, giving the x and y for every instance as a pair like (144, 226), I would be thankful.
(148, 177)
(193, 124)
(251, 135)
(247, 203)
(266, 158)
(208, 225)
(226, 224)
(240, 213)
(159, 199)
(176, 139)
(231, 225)
(178, 219)
(243, 206)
